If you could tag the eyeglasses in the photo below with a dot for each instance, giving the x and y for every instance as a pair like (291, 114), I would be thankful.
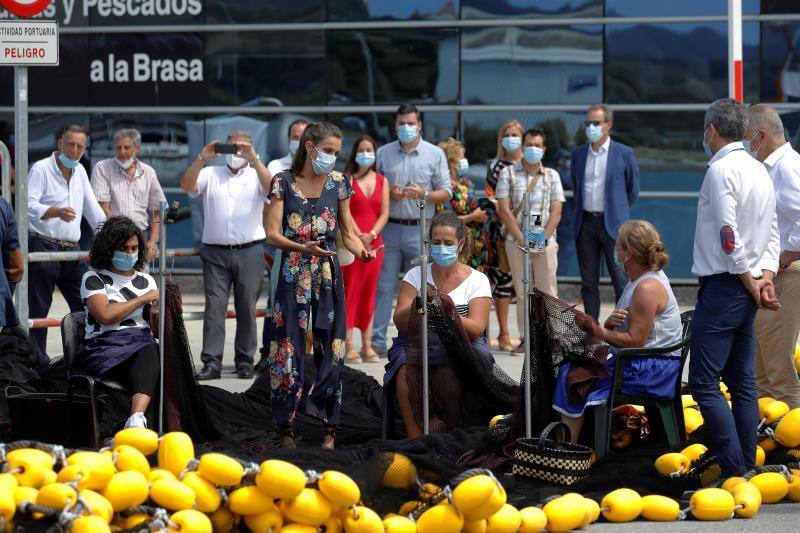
(588, 123)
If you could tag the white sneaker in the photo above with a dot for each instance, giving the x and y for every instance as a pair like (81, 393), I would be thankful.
(136, 420)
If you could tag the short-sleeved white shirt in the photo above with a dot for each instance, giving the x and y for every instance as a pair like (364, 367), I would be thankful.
(475, 286)
(548, 189)
(117, 289)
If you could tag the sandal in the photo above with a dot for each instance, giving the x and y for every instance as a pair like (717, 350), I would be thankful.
(287, 436)
(370, 356)
(504, 343)
(352, 357)
(330, 431)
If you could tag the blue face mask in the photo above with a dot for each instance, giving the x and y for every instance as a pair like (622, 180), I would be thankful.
(706, 147)
(123, 261)
(324, 163)
(533, 154)
(67, 162)
(617, 260)
(748, 145)
(293, 146)
(443, 254)
(407, 133)
(594, 133)
(365, 159)
(512, 144)
(463, 167)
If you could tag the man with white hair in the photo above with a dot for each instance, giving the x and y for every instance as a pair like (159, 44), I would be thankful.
(776, 333)
(124, 185)
(234, 196)
(735, 258)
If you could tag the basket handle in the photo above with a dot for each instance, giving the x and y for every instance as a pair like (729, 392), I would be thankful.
(550, 427)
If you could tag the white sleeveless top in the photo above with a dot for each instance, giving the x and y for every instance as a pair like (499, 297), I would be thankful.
(667, 328)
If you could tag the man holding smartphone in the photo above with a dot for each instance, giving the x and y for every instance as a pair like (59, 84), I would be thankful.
(234, 196)
(415, 169)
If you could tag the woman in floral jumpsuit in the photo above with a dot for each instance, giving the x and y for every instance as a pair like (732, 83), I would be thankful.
(309, 203)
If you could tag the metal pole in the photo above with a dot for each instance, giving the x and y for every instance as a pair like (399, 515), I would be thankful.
(526, 335)
(21, 149)
(735, 75)
(423, 255)
(5, 171)
(162, 307)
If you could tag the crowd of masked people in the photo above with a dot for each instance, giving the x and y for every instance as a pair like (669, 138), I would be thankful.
(341, 247)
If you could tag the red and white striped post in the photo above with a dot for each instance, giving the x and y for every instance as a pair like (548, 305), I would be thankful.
(735, 78)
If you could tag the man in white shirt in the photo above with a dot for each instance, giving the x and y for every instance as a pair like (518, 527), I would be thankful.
(735, 259)
(124, 185)
(59, 195)
(296, 130)
(776, 333)
(234, 197)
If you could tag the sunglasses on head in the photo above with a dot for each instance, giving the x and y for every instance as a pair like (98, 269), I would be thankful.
(588, 123)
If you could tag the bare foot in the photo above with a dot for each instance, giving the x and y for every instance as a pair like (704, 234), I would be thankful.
(329, 438)
(368, 355)
(352, 357)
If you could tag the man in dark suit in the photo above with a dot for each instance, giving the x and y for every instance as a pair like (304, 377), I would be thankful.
(605, 181)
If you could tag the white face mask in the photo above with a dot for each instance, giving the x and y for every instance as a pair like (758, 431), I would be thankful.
(235, 162)
(124, 165)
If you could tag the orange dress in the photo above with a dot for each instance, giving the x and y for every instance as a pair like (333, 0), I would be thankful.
(360, 278)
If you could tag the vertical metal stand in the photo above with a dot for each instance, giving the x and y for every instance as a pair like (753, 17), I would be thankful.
(21, 189)
(423, 255)
(526, 335)
(162, 306)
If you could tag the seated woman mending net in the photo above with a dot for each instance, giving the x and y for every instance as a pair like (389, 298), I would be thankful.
(471, 295)
(119, 344)
(646, 315)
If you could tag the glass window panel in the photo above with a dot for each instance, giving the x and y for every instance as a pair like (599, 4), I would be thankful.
(42, 130)
(639, 8)
(393, 66)
(751, 34)
(257, 11)
(551, 65)
(769, 7)
(675, 220)
(780, 62)
(143, 12)
(666, 63)
(486, 9)
(354, 10)
(262, 68)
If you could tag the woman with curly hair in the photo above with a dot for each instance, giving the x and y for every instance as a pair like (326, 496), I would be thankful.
(118, 296)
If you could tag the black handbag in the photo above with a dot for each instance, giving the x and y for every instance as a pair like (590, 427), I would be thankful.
(562, 463)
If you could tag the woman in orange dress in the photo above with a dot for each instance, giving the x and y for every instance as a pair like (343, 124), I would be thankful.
(370, 208)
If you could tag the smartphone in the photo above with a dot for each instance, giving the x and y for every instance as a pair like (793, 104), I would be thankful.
(222, 148)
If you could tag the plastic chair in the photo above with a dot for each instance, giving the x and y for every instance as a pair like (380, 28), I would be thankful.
(73, 332)
(671, 411)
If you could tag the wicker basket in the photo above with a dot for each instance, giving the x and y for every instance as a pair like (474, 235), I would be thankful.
(562, 463)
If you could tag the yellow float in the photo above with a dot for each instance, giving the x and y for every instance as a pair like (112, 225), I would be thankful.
(621, 505)
(280, 479)
(660, 508)
(772, 486)
(712, 504)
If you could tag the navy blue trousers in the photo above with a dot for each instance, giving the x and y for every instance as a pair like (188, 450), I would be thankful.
(723, 346)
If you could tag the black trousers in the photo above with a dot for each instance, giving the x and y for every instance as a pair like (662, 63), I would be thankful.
(139, 372)
(43, 278)
(592, 242)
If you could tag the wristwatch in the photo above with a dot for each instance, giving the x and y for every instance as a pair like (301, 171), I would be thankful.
(256, 158)
(374, 235)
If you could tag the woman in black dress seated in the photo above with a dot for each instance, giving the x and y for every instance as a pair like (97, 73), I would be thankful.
(118, 296)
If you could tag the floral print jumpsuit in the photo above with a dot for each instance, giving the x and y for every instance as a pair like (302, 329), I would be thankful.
(308, 285)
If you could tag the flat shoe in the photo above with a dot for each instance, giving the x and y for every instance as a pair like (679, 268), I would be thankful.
(352, 357)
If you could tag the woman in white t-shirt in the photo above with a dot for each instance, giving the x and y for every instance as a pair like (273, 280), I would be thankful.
(119, 297)
(467, 288)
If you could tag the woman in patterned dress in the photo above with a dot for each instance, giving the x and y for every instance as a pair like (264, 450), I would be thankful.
(464, 204)
(308, 203)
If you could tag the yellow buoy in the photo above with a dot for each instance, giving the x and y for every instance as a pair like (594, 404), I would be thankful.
(171, 494)
(21, 494)
(506, 520)
(223, 520)
(143, 439)
(408, 507)
(28, 466)
(207, 497)
(99, 505)
(473, 492)
(89, 524)
(712, 504)
(687, 401)
(298, 528)
(692, 420)
(747, 498)
(76, 474)
(49, 477)
(249, 500)
(763, 402)
(160, 473)
(101, 468)
(532, 520)
(220, 469)
(340, 489)
(310, 507)
(135, 520)
(671, 464)
(772, 486)
(621, 505)
(694, 451)
(660, 508)
(175, 451)
(428, 491)
(493, 503)
(787, 432)
(8, 506)
(401, 524)
(564, 514)
(768, 445)
(269, 522)
(280, 479)
(400, 472)
(361, 520)
(190, 521)
(593, 509)
(333, 525)
(56, 495)
(793, 492)
(476, 526)
(125, 490)
(761, 457)
(440, 519)
(724, 389)
(732, 482)
(774, 410)
(126, 457)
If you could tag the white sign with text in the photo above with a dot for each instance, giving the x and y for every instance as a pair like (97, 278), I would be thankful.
(27, 43)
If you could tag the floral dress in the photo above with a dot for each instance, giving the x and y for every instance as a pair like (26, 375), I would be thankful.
(463, 203)
(308, 286)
